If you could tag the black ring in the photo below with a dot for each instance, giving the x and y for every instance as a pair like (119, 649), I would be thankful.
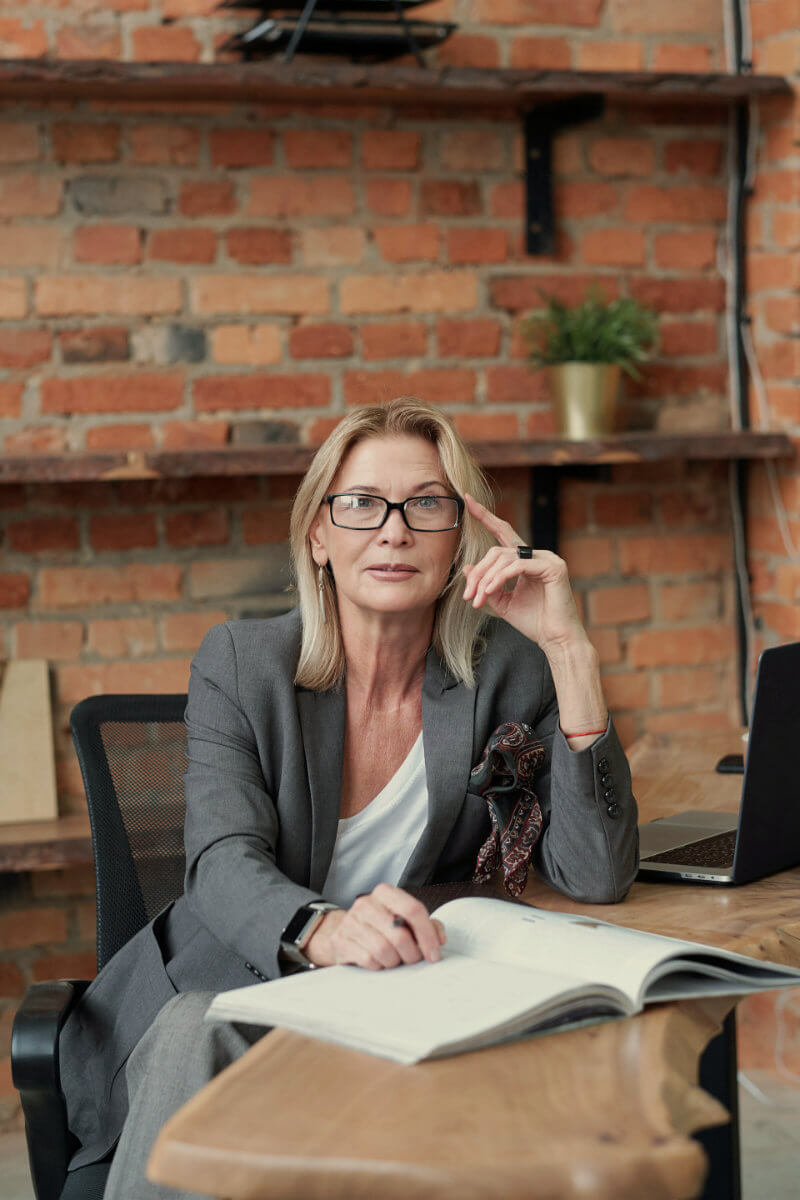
(524, 551)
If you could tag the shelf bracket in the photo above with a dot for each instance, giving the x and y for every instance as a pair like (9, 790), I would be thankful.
(541, 125)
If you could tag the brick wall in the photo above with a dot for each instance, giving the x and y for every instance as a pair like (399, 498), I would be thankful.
(168, 274)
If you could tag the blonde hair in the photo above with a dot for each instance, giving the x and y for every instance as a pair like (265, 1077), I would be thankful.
(456, 626)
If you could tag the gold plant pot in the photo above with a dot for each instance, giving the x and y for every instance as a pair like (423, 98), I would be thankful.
(585, 398)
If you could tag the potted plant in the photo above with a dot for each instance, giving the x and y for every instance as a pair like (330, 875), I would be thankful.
(585, 347)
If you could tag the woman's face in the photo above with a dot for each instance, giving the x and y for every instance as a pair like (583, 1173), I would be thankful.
(395, 468)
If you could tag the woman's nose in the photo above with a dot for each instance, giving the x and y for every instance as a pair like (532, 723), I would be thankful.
(394, 526)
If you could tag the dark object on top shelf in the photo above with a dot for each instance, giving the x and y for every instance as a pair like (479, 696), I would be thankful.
(380, 32)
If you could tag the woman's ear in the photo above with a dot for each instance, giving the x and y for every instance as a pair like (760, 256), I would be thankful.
(318, 551)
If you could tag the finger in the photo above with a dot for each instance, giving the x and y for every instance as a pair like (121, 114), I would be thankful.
(501, 529)
(440, 930)
(511, 570)
(417, 916)
(350, 953)
(475, 572)
(372, 929)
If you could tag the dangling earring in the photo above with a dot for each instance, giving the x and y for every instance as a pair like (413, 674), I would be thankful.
(321, 590)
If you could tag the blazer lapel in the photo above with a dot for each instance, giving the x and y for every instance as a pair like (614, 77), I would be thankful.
(448, 718)
(322, 717)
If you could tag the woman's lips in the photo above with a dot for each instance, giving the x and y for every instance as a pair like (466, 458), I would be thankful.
(392, 575)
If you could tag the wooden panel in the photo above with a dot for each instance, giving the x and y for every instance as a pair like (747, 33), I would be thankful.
(295, 459)
(337, 83)
(27, 765)
(46, 845)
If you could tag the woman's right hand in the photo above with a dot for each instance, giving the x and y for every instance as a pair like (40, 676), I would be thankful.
(369, 934)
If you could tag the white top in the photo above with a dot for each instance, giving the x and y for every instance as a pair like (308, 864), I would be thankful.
(374, 846)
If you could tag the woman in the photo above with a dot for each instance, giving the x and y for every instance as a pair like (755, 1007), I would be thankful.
(331, 764)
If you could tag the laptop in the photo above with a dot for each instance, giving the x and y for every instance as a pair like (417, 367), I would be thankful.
(710, 847)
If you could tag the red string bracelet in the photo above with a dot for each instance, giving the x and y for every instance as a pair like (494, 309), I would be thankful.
(586, 733)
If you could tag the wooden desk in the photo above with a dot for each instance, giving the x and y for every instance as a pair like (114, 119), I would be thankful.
(603, 1112)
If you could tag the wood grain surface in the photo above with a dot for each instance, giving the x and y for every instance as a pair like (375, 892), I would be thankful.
(603, 1112)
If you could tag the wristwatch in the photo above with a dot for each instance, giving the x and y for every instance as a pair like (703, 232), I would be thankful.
(297, 933)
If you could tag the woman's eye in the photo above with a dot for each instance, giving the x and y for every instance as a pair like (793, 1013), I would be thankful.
(363, 502)
(429, 502)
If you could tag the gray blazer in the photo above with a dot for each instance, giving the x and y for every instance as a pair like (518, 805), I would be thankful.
(263, 791)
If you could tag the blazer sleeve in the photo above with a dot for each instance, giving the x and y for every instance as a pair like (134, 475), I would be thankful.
(589, 847)
(232, 882)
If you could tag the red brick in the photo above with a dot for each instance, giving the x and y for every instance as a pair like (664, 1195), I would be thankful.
(182, 245)
(38, 534)
(81, 965)
(48, 639)
(449, 198)
(588, 555)
(88, 42)
(687, 687)
(32, 927)
(36, 439)
(670, 647)
(185, 631)
(189, 435)
(587, 198)
(679, 295)
(507, 200)
(267, 525)
(30, 245)
(407, 243)
(83, 587)
(23, 194)
(389, 197)
(689, 250)
(261, 391)
(318, 148)
(487, 427)
(165, 43)
(256, 245)
(525, 291)
(682, 57)
(123, 531)
(699, 157)
(331, 245)
(619, 605)
(301, 196)
(140, 392)
(256, 294)
(96, 295)
(390, 149)
(442, 385)
(109, 244)
(423, 291)
(21, 348)
(546, 12)
(674, 553)
(688, 338)
(468, 50)
(320, 341)
(12, 982)
(317, 431)
(621, 156)
(133, 436)
(471, 150)
(625, 508)
(393, 339)
(541, 53)
(22, 39)
(207, 198)
(165, 145)
(691, 601)
(126, 637)
(514, 385)
(477, 245)
(85, 143)
(468, 339)
(783, 619)
(596, 55)
(207, 528)
(626, 689)
(256, 345)
(14, 591)
(687, 205)
(94, 344)
(19, 142)
(247, 147)
(683, 16)
(11, 399)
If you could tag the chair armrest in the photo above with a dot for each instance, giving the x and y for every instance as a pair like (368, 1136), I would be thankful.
(35, 1073)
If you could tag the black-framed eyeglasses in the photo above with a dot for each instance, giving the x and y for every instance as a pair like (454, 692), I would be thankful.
(429, 514)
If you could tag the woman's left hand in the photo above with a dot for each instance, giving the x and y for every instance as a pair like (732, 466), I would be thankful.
(541, 605)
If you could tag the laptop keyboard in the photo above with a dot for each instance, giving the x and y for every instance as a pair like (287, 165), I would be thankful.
(714, 851)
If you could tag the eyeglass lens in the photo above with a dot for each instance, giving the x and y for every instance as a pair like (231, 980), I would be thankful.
(422, 512)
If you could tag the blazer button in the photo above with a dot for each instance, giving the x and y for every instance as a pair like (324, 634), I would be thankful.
(609, 794)
(605, 780)
(613, 810)
(602, 766)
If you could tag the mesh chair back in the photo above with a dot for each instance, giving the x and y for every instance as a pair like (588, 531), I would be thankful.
(132, 755)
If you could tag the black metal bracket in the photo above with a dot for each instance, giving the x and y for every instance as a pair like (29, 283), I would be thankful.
(543, 498)
(541, 126)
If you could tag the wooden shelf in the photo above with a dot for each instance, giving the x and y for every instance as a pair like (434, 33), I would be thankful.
(344, 83)
(46, 845)
(286, 459)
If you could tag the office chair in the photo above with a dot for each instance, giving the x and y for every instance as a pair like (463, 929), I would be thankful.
(132, 754)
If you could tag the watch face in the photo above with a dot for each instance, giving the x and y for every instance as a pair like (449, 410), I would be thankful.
(298, 923)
